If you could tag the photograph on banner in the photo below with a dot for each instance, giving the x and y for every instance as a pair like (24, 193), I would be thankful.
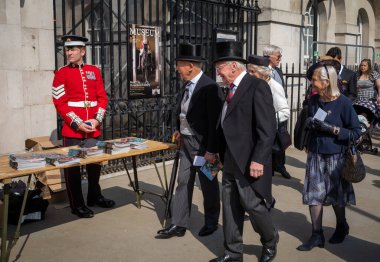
(144, 56)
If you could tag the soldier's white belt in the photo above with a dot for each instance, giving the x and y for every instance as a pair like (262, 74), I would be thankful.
(83, 104)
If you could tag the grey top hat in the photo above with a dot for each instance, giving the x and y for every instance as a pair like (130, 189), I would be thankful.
(258, 60)
(74, 40)
(229, 51)
(190, 52)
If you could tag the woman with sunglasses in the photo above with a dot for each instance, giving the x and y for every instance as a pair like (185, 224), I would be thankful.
(331, 120)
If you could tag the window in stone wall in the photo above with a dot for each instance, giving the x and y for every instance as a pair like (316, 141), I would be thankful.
(359, 40)
(307, 34)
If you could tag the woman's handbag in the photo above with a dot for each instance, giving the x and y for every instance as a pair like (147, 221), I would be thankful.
(353, 167)
(283, 139)
(301, 133)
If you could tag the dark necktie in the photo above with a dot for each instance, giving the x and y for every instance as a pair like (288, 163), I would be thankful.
(186, 94)
(230, 93)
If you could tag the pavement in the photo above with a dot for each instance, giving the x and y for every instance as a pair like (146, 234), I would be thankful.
(126, 233)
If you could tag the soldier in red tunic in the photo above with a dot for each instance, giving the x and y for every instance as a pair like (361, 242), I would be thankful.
(80, 99)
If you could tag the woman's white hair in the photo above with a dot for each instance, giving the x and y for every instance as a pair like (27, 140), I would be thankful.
(329, 73)
(263, 71)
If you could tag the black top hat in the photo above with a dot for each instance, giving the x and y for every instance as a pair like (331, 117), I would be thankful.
(74, 40)
(258, 60)
(328, 62)
(229, 51)
(190, 52)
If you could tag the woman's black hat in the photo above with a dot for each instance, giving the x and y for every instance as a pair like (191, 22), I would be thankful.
(190, 52)
(229, 51)
(258, 60)
(327, 62)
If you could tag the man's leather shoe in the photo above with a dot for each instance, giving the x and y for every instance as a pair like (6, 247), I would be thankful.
(225, 258)
(83, 212)
(283, 172)
(207, 230)
(102, 202)
(171, 231)
(269, 253)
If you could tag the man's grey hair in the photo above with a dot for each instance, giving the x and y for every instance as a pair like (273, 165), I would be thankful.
(270, 49)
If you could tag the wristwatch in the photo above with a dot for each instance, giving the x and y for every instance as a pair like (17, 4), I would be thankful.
(336, 130)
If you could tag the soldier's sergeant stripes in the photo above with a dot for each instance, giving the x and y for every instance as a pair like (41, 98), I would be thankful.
(58, 91)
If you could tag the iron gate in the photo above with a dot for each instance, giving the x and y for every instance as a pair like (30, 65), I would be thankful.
(105, 23)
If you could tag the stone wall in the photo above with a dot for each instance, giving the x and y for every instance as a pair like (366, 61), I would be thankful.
(26, 72)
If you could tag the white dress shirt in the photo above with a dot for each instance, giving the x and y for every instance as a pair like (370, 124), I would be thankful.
(280, 103)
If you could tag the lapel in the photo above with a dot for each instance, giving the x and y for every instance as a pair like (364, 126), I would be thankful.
(239, 94)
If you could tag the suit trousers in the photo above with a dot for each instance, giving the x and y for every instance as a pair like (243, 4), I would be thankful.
(278, 159)
(239, 197)
(73, 179)
(182, 200)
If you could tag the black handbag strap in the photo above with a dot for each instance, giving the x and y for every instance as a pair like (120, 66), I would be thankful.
(278, 119)
(351, 141)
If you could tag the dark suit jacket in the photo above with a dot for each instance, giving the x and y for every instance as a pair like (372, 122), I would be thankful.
(349, 83)
(204, 109)
(249, 129)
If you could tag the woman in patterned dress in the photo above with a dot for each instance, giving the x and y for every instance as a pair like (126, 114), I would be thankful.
(328, 138)
(368, 91)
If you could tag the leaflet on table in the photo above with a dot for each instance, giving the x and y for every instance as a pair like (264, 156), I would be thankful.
(85, 152)
(211, 170)
(122, 145)
(61, 159)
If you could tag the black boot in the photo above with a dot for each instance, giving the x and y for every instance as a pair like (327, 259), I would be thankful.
(341, 231)
(317, 239)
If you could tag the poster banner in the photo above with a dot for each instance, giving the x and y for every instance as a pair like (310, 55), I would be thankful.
(145, 63)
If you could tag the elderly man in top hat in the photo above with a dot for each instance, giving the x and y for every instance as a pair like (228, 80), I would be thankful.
(247, 129)
(197, 114)
(80, 99)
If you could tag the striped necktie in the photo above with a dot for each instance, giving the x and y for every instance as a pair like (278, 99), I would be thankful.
(230, 93)
(187, 94)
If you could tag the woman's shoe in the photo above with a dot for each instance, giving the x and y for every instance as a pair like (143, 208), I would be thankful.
(317, 239)
(340, 233)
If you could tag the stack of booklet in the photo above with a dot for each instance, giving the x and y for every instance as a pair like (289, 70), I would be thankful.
(61, 159)
(26, 161)
(137, 143)
(115, 146)
(85, 152)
